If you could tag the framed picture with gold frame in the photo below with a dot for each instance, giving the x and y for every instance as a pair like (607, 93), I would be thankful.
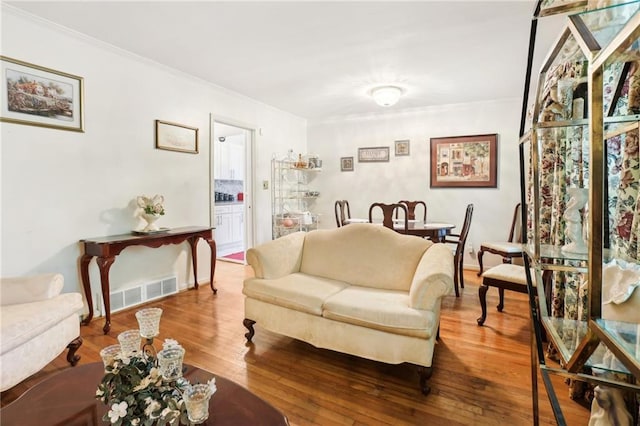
(39, 96)
(176, 137)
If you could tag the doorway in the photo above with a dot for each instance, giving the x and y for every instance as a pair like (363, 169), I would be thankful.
(231, 148)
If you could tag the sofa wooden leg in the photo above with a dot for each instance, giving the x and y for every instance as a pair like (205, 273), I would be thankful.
(425, 374)
(482, 294)
(72, 358)
(249, 325)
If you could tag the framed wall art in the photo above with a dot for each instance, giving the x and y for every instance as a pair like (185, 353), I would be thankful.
(40, 96)
(402, 147)
(464, 161)
(373, 154)
(346, 164)
(176, 137)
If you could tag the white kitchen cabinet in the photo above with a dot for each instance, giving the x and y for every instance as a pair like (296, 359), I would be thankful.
(229, 232)
(228, 161)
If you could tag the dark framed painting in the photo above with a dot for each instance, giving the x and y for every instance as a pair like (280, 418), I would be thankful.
(176, 137)
(464, 161)
(40, 96)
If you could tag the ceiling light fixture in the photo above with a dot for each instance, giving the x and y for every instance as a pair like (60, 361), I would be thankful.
(386, 95)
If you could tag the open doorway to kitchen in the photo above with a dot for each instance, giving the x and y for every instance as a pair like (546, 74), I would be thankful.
(231, 188)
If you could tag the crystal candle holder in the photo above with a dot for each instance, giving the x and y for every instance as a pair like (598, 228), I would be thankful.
(170, 363)
(109, 353)
(196, 398)
(149, 322)
(130, 341)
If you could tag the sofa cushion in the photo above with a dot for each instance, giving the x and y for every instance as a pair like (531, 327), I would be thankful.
(22, 322)
(363, 254)
(385, 310)
(297, 291)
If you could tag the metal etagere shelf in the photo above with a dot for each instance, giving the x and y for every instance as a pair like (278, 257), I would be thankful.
(592, 43)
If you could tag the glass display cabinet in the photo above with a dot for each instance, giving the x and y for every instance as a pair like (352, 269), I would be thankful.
(292, 197)
(580, 176)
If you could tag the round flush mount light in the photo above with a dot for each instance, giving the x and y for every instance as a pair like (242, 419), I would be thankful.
(386, 95)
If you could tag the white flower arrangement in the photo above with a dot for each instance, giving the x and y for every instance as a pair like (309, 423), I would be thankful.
(134, 390)
(153, 205)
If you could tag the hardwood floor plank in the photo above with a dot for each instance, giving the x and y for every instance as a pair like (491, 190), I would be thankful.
(481, 374)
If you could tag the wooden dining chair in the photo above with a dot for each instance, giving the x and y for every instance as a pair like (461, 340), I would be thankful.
(388, 211)
(411, 209)
(510, 249)
(460, 240)
(342, 211)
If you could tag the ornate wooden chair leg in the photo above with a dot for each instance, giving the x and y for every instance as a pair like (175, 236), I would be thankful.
(425, 374)
(482, 294)
(501, 304)
(72, 358)
(480, 254)
(249, 325)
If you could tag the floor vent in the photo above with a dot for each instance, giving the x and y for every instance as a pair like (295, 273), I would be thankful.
(143, 293)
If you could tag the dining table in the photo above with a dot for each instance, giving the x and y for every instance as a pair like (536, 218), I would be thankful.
(435, 231)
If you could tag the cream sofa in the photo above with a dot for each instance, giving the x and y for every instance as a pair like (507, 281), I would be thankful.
(37, 323)
(361, 289)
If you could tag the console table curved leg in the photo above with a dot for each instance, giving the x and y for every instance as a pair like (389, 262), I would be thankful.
(84, 273)
(214, 254)
(104, 264)
(72, 358)
(193, 242)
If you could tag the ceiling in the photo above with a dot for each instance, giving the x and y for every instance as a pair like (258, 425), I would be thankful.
(318, 60)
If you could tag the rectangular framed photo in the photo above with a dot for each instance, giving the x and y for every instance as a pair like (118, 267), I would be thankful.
(464, 161)
(346, 164)
(373, 154)
(176, 137)
(402, 147)
(40, 96)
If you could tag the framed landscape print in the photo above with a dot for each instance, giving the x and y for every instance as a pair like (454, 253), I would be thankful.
(373, 154)
(346, 164)
(176, 137)
(40, 96)
(402, 147)
(464, 161)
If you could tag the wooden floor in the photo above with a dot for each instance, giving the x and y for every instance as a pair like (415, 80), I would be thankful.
(481, 374)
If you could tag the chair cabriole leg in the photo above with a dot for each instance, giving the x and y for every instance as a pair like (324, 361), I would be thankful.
(482, 294)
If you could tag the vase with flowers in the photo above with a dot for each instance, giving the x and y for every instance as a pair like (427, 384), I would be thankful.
(139, 392)
(152, 209)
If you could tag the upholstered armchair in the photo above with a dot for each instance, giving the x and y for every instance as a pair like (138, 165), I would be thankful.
(37, 323)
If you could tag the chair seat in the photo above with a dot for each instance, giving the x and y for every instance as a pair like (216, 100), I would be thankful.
(502, 247)
(506, 272)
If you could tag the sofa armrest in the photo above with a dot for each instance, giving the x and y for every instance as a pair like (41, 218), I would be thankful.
(28, 289)
(433, 278)
(277, 258)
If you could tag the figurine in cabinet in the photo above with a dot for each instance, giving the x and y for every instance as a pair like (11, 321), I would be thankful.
(608, 408)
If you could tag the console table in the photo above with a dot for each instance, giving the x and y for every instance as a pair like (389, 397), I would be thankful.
(107, 248)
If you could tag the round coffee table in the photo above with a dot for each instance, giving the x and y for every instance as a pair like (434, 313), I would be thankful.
(68, 398)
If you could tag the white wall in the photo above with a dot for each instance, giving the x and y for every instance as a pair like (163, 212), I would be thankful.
(60, 186)
(407, 178)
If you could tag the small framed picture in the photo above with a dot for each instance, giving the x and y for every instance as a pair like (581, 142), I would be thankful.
(176, 137)
(346, 164)
(373, 154)
(40, 96)
(402, 147)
